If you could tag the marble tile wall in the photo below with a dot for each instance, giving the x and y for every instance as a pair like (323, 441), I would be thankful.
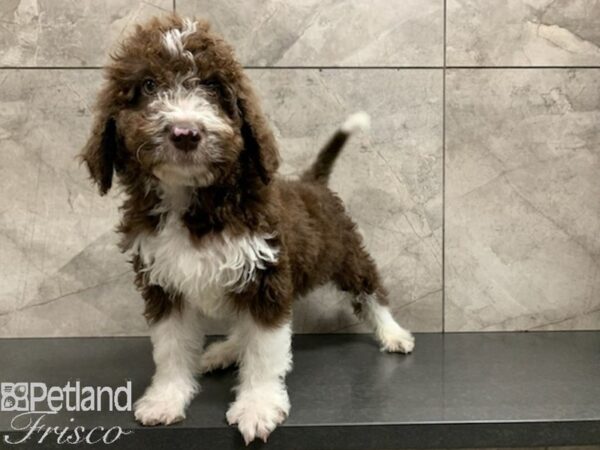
(522, 158)
(523, 199)
(513, 151)
(328, 33)
(523, 33)
(73, 33)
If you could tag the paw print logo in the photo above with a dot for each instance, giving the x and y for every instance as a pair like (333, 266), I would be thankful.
(13, 397)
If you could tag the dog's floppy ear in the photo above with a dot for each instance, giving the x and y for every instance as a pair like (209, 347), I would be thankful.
(99, 154)
(258, 138)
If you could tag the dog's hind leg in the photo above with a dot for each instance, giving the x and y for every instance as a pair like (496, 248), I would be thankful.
(374, 310)
(220, 354)
(358, 275)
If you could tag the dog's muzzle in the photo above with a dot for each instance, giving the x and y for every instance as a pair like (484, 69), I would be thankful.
(185, 137)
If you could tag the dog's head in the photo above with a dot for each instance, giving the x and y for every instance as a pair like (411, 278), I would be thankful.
(177, 107)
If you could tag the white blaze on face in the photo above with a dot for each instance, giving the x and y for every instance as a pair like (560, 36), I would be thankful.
(174, 39)
(191, 107)
(183, 105)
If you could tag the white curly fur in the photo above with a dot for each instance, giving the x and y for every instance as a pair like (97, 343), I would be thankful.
(359, 121)
(174, 39)
(177, 343)
(391, 335)
(206, 271)
(262, 401)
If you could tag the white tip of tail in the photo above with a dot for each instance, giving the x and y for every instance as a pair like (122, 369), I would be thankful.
(359, 121)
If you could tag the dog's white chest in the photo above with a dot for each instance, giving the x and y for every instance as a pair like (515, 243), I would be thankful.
(206, 272)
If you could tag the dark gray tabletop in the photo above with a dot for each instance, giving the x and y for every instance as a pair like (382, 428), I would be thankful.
(456, 390)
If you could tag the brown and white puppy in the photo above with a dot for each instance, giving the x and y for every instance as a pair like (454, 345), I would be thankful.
(212, 230)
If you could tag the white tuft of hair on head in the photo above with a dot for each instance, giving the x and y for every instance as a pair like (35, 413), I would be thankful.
(359, 121)
(174, 39)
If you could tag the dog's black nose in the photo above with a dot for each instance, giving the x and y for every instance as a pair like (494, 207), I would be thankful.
(185, 138)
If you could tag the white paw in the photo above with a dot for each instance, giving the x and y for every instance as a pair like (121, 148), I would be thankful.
(257, 413)
(218, 355)
(396, 339)
(152, 411)
(165, 403)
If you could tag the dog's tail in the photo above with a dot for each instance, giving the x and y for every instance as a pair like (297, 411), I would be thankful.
(321, 169)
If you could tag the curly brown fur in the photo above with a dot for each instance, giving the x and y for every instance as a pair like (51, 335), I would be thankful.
(179, 124)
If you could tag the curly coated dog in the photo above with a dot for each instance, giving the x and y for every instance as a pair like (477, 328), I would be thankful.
(210, 227)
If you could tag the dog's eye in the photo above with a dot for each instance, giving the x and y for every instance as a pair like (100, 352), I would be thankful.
(149, 86)
(211, 83)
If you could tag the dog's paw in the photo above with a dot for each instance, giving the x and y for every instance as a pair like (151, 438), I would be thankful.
(153, 410)
(396, 339)
(165, 400)
(218, 355)
(257, 413)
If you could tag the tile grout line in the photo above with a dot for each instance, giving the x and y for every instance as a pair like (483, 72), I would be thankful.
(444, 179)
(397, 68)
(174, 6)
(520, 67)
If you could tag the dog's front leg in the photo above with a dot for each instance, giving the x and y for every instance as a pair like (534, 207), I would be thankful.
(262, 401)
(177, 343)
